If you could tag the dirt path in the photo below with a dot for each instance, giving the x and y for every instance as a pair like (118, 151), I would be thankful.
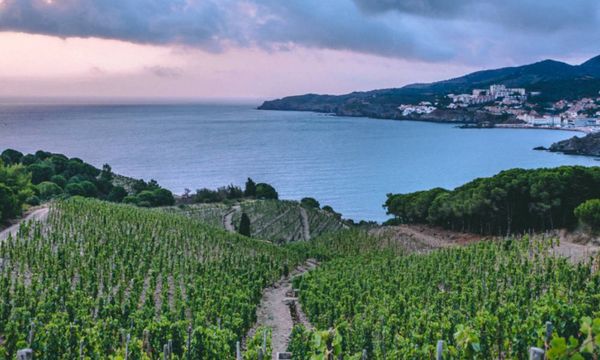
(37, 215)
(305, 224)
(275, 310)
(575, 252)
(420, 238)
(228, 218)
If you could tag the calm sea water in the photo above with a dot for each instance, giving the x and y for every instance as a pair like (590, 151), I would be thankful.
(348, 163)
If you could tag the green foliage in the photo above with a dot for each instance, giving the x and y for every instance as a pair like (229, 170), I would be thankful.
(117, 194)
(74, 177)
(514, 201)
(250, 188)
(98, 271)
(585, 345)
(41, 171)
(486, 300)
(266, 191)
(244, 228)
(48, 190)
(310, 203)
(588, 214)
(15, 188)
(259, 342)
(11, 157)
(59, 180)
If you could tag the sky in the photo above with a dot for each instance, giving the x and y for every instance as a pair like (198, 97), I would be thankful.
(259, 49)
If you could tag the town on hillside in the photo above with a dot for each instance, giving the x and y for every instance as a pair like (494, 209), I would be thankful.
(580, 115)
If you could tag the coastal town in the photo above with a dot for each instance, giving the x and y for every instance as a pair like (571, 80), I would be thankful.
(519, 105)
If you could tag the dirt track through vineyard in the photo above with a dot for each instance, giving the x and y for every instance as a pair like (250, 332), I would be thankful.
(36, 215)
(274, 310)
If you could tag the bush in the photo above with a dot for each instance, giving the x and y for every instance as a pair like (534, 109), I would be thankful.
(117, 194)
(266, 191)
(48, 190)
(9, 206)
(40, 171)
(74, 189)
(310, 203)
(588, 214)
(206, 196)
(163, 197)
(15, 188)
(11, 157)
(59, 180)
(33, 201)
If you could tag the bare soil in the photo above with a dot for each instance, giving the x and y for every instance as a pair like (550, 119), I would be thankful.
(280, 310)
(40, 214)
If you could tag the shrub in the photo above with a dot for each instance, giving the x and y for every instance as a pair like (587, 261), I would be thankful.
(40, 171)
(117, 194)
(310, 203)
(266, 191)
(48, 190)
(59, 180)
(588, 214)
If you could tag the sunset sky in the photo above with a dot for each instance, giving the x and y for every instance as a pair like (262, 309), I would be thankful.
(273, 48)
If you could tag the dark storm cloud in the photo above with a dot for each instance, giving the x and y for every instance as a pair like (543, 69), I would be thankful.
(534, 15)
(430, 30)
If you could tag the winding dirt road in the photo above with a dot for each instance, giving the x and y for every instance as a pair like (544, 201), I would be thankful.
(40, 214)
(228, 218)
(275, 312)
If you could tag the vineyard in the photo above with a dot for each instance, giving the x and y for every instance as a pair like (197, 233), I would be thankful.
(100, 280)
(211, 214)
(485, 301)
(281, 221)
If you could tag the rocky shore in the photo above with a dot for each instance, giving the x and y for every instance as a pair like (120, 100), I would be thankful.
(588, 145)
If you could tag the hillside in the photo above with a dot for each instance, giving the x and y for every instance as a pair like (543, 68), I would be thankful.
(279, 221)
(555, 80)
(96, 273)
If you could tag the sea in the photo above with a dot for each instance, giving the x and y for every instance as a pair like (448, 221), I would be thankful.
(349, 163)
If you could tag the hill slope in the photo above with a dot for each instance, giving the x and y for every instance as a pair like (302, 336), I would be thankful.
(554, 79)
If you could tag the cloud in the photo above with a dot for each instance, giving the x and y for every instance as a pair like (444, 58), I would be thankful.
(467, 31)
(165, 71)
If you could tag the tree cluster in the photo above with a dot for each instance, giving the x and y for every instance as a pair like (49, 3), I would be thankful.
(15, 190)
(512, 201)
(58, 176)
(252, 190)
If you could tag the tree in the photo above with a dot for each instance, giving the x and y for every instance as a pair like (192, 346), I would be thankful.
(588, 214)
(40, 171)
(250, 190)
(48, 190)
(11, 157)
(163, 197)
(266, 191)
(244, 228)
(15, 188)
(117, 194)
(310, 203)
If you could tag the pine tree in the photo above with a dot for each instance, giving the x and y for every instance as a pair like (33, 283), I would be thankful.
(244, 228)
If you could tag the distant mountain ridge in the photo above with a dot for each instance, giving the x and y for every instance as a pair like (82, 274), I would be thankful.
(554, 79)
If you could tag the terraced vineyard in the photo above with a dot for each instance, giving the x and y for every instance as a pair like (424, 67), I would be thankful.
(281, 221)
(99, 278)
(485, 301)
(211, 214)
